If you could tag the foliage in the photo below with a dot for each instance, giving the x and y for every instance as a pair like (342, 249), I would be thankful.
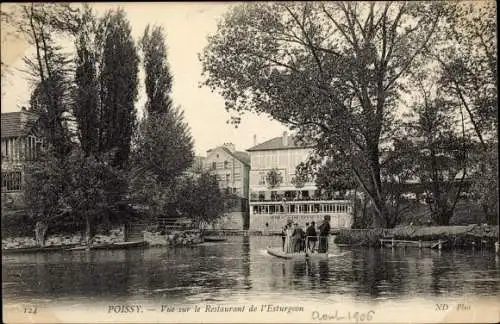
(86, 100)
(95, 191)
(106, 81)
(163, 145)
(149, 194)
(485, 179)
(200, 198)
(301, 176)
(83, 190)
(41, 24)
(273, 178)
(118, 81)
(333, 71)
(46, 187)
(158, 80)
(469, 64)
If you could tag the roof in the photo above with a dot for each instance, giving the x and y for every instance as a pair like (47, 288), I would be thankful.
(12, 125)
(277, 144)
(243, 157)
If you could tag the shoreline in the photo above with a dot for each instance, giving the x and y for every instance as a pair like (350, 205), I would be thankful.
(471, 236)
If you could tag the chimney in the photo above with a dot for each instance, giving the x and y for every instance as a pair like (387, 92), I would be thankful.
(285, 138)
(254, 139)
(230, 147)
(23, 116)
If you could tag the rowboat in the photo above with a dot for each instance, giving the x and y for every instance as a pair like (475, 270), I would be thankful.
(277, 252)
(214, 239)
(34, 249)
(112, 246)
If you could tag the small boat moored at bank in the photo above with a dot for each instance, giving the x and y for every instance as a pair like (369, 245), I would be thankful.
(111, 246)
(214, 239)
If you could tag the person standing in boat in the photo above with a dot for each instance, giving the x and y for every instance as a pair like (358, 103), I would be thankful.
(283, 233)
(289, 239)
(311, 236)
(324, 231)
(298, 238)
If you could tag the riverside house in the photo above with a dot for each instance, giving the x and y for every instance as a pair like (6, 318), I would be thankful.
(273, 202)
(20, 144)
(232, 169)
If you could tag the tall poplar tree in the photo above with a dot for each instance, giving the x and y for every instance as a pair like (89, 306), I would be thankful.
(86, 94)
(118, 82)
(164, 143)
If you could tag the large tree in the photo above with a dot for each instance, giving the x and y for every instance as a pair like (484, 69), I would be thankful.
(43, 25)
(158, 79)
(201, 199)
(439, 149)
(332, 71)
(117, 81)
(468, 62)
(86, 101)
(163, 144)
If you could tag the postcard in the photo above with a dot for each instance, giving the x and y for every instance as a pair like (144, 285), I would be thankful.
(260, 162)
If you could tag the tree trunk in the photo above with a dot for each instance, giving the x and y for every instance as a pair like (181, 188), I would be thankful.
(41, 228)
(88, 235)
(380, 221)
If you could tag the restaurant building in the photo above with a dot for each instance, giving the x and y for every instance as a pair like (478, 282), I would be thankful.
(276, 195)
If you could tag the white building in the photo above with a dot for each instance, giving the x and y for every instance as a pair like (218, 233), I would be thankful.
(272, 203)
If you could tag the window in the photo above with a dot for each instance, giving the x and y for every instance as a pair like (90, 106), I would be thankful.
(214, 165)
(235, 190)
(262, 178)
(226, 165)
(228, 177)
(11, 181)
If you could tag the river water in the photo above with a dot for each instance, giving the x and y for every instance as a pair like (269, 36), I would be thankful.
(239, 270)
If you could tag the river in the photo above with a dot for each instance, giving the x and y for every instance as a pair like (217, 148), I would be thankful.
(239, 270)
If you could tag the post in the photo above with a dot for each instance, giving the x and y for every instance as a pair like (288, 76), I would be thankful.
(420, 244)
(392, 242)
(473, 245)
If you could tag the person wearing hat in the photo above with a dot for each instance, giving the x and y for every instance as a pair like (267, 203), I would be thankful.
(311, 237)
(283, 233)
(324, 231)
(298, 238)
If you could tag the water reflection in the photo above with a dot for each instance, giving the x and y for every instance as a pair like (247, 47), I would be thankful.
(240, 268)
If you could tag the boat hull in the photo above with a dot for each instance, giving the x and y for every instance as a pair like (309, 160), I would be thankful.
(299, 255)
(214, 239)
(112, 246)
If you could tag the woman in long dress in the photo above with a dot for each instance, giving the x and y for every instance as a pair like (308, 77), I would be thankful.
(289, 240)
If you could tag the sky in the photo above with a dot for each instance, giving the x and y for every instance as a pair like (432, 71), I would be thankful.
(187, 26)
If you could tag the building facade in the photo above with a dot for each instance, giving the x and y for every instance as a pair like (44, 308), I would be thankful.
(232, 169)
(276, 195)
(19, 145)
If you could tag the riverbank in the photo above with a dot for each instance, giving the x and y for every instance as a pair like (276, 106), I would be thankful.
(113, 237)
(479, 236)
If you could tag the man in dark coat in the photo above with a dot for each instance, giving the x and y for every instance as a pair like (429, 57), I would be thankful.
(311, 237)
(324, 231)
(298, 238)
